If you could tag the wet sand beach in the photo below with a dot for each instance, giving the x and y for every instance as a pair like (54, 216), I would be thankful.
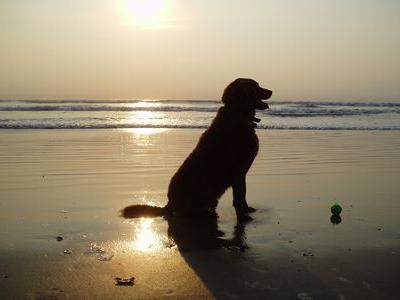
(61, 235)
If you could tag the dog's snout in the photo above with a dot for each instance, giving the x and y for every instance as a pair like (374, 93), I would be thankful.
(266, 94)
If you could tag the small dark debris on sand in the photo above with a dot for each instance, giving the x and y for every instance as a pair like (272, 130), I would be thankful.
(59, 238)
(308, 253)
(124, 281)
(105, 257)
(52, 294)
(67, 251)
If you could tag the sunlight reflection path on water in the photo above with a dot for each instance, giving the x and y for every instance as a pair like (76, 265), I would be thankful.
(145, 238)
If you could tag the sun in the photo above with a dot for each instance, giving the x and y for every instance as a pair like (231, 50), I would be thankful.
(146, 13)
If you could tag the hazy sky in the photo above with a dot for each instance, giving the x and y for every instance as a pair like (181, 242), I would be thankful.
(191, 49)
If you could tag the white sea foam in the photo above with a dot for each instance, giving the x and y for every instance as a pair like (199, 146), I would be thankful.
(75, 114)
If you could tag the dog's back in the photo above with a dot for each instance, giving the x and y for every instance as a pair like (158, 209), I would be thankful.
(227, 147)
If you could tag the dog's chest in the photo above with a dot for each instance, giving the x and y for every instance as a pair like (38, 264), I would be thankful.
(244, 148)
(249, 145)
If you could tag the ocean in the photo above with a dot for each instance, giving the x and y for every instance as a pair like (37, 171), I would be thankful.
(87, 114)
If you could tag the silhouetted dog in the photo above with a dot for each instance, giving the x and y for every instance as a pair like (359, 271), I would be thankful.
(221, 159)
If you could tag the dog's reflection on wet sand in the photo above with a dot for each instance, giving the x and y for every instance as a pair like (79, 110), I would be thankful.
(201, 233)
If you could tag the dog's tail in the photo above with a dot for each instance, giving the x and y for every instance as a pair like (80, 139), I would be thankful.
(137, 211)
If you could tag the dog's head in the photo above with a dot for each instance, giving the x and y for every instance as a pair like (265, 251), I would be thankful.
(245, 95)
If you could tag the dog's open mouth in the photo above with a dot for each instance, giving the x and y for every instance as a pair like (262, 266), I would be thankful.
(260, 105)
(264, 94)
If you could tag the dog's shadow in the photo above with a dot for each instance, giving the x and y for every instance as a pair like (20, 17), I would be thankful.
(229, 268)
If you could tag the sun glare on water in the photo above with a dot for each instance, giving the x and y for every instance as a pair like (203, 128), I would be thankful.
(146, 13)
(146, 238)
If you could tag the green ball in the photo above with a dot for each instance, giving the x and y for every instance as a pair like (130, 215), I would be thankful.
(336, 209)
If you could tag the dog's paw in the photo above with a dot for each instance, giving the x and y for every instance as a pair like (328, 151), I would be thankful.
(245, 218)
(250, 209)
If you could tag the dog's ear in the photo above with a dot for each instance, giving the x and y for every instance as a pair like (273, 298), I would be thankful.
(239, 95)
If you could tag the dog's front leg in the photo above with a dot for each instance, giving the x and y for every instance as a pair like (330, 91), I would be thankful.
(247, 208)
(239, 198)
